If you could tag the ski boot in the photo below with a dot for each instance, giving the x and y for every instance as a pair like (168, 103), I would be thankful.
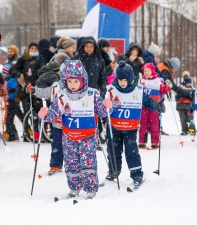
(54, 170)
(154, 146)
(137, 181)
(142, 146)
(90, 195)
(73, 193)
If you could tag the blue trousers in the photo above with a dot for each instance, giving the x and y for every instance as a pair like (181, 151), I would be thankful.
(133, 159)
(57, 150)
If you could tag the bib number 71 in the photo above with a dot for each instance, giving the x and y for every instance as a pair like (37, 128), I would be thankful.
(123, 113)
(73, 121)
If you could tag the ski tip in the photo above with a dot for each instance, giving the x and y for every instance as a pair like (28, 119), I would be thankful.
(129, 189)
(75, 201)
(56, 199)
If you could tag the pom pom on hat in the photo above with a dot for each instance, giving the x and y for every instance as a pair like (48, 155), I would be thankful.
(175, 63)
(153, 48)
(124, 71)
(14, 49)
(185, 74)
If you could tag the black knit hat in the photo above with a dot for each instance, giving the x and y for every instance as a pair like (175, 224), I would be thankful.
(124, 71)
(103, 42)
(54, 39)
(187, 80)
(33, 43)
(44, 45)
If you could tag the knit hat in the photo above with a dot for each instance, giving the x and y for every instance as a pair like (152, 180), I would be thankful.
(124, 71)
(55, 66)
(14, 49)
(33, 43)
(44, 45)
(67, 42)
(149, 66)
(185, 74)
(103, 42)
(175, 63)
(153, 48)
(187, 80)
(6, 68)
(80, 79)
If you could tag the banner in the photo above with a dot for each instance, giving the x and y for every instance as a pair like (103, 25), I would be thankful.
(91, 23)
(127, 6)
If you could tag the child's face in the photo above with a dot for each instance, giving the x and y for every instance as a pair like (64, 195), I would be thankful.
(123, 83)
(188, 85)
(134, 52)
(73, 84)
(147, 72)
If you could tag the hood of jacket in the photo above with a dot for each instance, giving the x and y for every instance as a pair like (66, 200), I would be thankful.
(131, 46)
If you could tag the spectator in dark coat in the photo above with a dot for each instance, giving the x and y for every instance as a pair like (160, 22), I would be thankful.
(134, 59)
(46, 51)
(91, 59)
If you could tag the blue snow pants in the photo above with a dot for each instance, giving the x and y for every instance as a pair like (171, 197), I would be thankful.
(57, 150)
(133, 159)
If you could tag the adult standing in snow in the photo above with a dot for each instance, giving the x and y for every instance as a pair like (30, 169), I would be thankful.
(134, 59)
(13, 106)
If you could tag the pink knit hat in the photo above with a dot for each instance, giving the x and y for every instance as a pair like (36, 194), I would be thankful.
(149, 66)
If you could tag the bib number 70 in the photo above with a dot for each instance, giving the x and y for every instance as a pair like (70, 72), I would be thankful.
(73, 121)
(124, 112)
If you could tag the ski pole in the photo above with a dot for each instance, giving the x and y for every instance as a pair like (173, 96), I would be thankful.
(158, 170)
(32, 118)
(181, 141)
(38, 149)
(112, 144)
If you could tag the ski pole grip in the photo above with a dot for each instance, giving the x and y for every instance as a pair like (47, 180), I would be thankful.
(44, 103)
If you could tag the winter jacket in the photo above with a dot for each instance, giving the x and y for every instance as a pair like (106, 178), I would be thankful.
(23, 65)
(166, 69)
(61, 56)
(105, 57)
(183, 103)
(136, 65)
(149, 58)
(94, 65)
(46, 77)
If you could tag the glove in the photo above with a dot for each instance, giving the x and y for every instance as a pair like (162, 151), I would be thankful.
(161, 107)
(30, 88)
(107, 103)
(191, 112)
(43, 112)
(169, 83)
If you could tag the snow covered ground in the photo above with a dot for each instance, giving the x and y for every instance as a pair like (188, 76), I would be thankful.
(170, 198)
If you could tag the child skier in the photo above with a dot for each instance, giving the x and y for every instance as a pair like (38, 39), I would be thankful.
(155, 88)
(183, 106)
(128, 99)
(78, 104)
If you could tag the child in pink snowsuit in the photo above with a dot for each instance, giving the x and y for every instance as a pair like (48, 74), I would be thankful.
(77, 104)
(155, 88)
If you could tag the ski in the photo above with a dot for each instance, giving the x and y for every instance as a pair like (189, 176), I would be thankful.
(56, 199)
(135, 188)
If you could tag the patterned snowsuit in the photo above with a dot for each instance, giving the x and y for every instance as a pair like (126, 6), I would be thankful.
(79, 155)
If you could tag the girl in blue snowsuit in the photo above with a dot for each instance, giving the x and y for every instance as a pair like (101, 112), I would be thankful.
(128, 99)
(77, 105)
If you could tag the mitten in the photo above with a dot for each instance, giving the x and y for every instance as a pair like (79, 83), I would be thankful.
(43, 112)
(30, 88)
(107, 103)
